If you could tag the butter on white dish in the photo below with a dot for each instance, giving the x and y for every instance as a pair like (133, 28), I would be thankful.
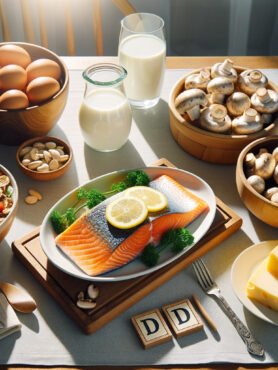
(9, 322)
(263, 286)
(272, 264)
(243, 267)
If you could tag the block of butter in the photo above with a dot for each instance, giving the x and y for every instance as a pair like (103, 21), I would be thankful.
(263, 286)
(272, 265)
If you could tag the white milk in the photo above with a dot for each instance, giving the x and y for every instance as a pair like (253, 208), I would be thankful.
(105, 119)
(143, 56)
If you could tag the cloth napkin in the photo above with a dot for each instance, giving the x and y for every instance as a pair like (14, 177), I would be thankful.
(9, 322)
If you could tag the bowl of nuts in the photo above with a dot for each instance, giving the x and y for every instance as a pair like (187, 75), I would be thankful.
(216, 111)
(257, 178)
(44, 158)
(8, 201)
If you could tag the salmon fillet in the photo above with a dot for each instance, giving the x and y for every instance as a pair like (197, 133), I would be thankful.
(97, 247)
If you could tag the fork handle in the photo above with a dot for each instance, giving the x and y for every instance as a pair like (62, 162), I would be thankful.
(253, 346)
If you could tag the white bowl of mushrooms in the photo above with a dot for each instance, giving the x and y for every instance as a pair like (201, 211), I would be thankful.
(215, 112)
(257, 178)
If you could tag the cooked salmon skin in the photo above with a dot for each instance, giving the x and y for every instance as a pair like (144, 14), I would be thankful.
(97, 247)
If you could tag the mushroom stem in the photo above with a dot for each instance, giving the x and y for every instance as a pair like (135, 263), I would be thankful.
(250, 115)
(194, 113)
(226, 66)
(250, 160)
(204, 75)
(255, 76)
(263, 95)
(217, 98)
(218, 112)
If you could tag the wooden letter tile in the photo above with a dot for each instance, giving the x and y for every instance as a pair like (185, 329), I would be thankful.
(182, 317)
(151, 328)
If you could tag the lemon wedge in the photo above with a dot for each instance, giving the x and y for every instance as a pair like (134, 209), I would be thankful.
(126, 212)
(154, 200)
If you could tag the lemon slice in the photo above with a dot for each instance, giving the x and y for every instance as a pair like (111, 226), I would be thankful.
(154, 200)
(126, 212)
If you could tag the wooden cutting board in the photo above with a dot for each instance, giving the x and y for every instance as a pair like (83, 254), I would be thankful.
(114, 298)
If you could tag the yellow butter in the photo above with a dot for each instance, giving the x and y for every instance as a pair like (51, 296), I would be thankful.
(263, 286)
(272, 265)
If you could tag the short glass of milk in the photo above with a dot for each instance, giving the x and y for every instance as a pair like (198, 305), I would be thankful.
(142, 52)
(105, 115)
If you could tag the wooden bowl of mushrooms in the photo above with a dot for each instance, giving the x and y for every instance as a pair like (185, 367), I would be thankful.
(215, 112)
(257, 178)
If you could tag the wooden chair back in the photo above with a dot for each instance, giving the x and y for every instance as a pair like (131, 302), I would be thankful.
(123, 5)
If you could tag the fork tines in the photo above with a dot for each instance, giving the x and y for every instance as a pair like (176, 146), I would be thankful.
(203, 274)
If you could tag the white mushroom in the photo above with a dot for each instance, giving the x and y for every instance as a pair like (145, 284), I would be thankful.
(189, 101)
(237, 103)
(257, 183)
(248, 123)
(265, 100)
(251, 80)
(265, 166)
(215, 119)
(249, 162)
(224, 69)
(269, 192)
(219, 87)
(197, 80)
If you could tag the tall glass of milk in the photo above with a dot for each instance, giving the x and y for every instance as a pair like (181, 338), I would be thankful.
(142, 52)
(105, 115)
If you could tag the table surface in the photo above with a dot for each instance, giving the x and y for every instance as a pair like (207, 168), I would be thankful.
(147, 143)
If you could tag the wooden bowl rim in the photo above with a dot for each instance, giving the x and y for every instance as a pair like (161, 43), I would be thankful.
(239, 166)
(65, 71)
(44, 139)
(200, 131)
(15, 195)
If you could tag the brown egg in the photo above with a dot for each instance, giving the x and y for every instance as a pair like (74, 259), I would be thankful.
(13, 54)
(43, 68)
(42, 88)
(13, 99)
(12, 76)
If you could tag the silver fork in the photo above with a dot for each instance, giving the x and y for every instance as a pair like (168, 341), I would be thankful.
(210, 287)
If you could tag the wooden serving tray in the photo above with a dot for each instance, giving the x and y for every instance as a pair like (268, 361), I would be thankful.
(114, 298)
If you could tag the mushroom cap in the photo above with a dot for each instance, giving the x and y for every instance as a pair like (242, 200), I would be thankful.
(188, 99)
(270, 106)
(197, 80)
(221, 85)
(215, 119)
(217, 70)
(237, 103)
(250, 80)
(248, 123)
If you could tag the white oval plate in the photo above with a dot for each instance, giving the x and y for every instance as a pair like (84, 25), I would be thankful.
(135, 268)
(242, 269)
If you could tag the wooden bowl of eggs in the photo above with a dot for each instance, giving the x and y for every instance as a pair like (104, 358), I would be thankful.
(44, 158)
(216, 111)
(34, 84)
(257, 178)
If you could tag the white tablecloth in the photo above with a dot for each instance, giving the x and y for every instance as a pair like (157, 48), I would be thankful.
(49, 337)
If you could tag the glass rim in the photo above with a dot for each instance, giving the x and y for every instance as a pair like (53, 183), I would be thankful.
(102, 66)
(140, 14)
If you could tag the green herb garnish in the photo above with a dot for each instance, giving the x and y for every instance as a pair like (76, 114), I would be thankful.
(175, 239)
(91, 198)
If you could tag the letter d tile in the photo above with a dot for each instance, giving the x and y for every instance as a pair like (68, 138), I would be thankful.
(182, 317)
(151, 328)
